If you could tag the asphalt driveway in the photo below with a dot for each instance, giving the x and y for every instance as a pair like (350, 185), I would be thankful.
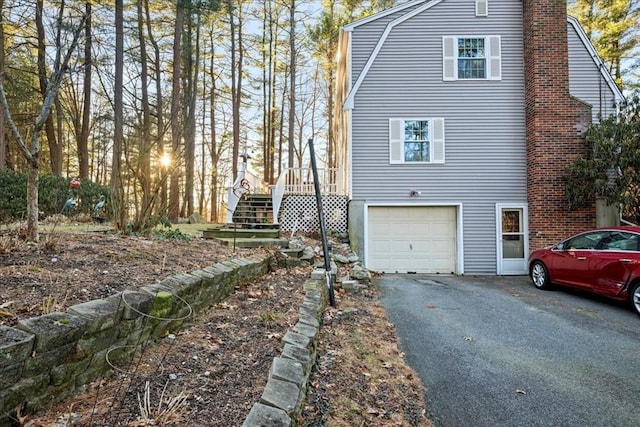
(495, 351)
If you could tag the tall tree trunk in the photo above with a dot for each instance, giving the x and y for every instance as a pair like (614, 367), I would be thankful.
(214, 136)
(271, 98)
(236, 86)
(203, 153)
(266, 59)
(274, 123)
(331, 136)
(55, 152)
(174, 190)
(83, 138)
(269, 41)
(281, 130)
(192, 59)
(117, 191)
(292, 81)
(3, 139)
(144, 170)
(33, 177)
(163, 169)
(58, 128)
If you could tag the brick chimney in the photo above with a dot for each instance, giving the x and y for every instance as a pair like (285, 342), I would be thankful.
(554, 120)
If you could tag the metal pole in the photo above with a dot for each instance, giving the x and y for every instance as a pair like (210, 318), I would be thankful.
(323, 230)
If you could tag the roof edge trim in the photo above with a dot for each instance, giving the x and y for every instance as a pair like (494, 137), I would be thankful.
(382, 14)
(350, 101)
(596, 58)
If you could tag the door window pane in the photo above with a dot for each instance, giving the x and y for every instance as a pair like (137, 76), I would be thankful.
(513, 246)
(512, 234)
(511, 221)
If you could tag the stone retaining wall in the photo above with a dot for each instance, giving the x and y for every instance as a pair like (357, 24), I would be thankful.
(282, 400)
(47, 358)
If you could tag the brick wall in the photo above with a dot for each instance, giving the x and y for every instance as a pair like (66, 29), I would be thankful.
(555, 122)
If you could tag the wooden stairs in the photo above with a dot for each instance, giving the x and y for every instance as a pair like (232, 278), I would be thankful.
(252, 225)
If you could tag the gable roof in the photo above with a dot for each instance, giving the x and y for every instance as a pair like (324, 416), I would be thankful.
(596, 58)
(420, 6)
(384, 13)
(349, 102)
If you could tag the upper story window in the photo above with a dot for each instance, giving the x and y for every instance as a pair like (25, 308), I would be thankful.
(471, 58)
(416, 140)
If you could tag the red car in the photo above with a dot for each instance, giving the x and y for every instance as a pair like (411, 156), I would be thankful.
(605, 261)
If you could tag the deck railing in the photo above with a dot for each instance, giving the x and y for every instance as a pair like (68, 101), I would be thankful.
(300, 181)
(297, 181)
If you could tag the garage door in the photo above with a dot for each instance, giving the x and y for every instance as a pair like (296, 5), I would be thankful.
(412, 239)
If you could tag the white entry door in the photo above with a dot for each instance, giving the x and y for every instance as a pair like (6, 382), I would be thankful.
(512, 242)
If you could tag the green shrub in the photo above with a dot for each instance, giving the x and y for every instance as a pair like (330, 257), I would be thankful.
(53, 192)
(13, 197)
(171, 234)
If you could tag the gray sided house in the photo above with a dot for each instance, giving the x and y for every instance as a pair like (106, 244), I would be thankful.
(433, 135)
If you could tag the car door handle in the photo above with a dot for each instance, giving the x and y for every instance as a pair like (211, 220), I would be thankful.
(625, 260)
(582, 258)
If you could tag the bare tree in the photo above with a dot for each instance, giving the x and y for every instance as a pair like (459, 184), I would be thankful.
(292, 81)
(3, 140)
(237, 67)
(176, 132)
(55, 145)
(269, 44)
(160, 143)
(83, 139)
(32, 153)
(143, 169)
(191, 68)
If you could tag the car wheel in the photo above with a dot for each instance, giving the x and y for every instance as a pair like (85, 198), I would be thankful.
(540, 275)
(634, 297)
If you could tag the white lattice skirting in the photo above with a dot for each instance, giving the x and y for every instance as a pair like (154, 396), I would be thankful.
(300, 213)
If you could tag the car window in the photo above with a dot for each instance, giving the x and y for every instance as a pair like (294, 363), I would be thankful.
(586, 240)
(620, 241)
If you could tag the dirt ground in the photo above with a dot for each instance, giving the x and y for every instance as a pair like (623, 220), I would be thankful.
(211, 372)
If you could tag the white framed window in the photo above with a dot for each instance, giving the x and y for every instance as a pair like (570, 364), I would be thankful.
(471, 58)
(482, 7)
(419, 140)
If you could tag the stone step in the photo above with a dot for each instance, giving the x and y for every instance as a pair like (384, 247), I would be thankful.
(248, 233)
(243, 242)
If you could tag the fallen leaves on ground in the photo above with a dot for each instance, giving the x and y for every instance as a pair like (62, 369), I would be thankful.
(212, 371)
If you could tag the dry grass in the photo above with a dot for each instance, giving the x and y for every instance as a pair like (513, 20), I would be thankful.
(11, 243)
(167, 412)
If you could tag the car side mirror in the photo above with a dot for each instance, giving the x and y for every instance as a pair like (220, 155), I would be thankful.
(559, 247)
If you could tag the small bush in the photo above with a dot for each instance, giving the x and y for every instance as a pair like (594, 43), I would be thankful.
(171, 234)
(53, 192)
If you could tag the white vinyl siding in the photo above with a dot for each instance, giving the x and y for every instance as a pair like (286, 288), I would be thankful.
(484, 139)
(397, 142)
(450, 57)
(482, 7)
